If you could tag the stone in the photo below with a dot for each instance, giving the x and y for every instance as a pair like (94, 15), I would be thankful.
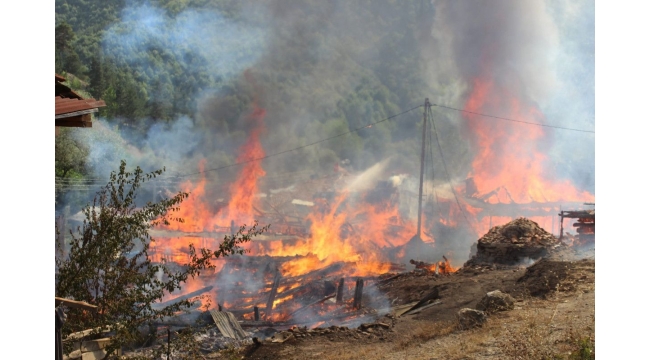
(496, 301)
(469, 318)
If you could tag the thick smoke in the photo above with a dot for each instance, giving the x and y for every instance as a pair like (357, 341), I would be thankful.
(319, 69)
(199, 35)
(532, 48)
(540, 51)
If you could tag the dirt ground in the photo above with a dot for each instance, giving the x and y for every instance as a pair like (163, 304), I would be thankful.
(553, 317)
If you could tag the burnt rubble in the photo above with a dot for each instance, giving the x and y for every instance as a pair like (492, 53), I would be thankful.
(515, 243)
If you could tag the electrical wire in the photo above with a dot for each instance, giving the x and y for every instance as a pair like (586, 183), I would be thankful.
(519, 121)
(92, 182)
(301, 147)
(444, 165)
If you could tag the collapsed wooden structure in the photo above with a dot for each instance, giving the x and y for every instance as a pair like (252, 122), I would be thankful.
(585, 225)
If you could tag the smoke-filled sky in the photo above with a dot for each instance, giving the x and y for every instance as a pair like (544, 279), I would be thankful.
(310, 60)
(541, 52)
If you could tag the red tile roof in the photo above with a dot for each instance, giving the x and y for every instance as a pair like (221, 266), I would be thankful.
(72, 110)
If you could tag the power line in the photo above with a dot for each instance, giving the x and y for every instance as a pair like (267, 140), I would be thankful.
(444, 165)
(519, 121)
(303, 146)
(66, 182)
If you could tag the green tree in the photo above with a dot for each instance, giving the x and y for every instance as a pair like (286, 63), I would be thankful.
(108, 264)
(70, 158)
(69, 155)
(97, 81)
(65, 56)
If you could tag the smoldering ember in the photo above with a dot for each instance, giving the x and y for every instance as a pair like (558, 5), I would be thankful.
(325, 180)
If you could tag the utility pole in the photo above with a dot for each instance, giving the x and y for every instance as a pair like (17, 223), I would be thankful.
(424, 132)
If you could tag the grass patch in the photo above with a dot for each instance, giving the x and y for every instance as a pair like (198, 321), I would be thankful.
(426, 331)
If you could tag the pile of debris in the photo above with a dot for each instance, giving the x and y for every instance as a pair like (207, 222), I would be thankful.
(514, 243)
(376, 330)
(549, 276)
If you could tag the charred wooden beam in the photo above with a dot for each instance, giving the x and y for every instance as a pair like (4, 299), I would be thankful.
(314, 303)
(274, 291)
(387, 280)
(369, 325)
(339, 291)
(256, 313)
(422, 265)
(358, 294)
(258, 324)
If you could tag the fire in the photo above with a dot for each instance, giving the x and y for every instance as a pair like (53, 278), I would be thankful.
(198, 213)
(369, 229)
(444, 267)
(196, 210)
(510, 157)
(243, 191)
(326, 244)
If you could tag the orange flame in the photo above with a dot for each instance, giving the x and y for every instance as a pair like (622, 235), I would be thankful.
(195, 210)
(369, 229)
(244, 190)
(509, 157)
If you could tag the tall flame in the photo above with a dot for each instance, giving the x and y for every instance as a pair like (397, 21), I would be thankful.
(244, 190)
(195, 210)
(510, 156)
(344, 232)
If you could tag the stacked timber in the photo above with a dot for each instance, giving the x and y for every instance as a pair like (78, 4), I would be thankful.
(513, 243)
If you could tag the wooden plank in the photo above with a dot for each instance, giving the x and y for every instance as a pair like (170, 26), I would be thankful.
(437, 302)
(387, 280)
(274, 291)
(339, 291)
(93, 345)
(77, 105)
(261, 323)
(73, 355)
(183, 297)
(358, 294)
(433, 295)
(74, 304)
(75, 121)
(227, 324)
(397, 311)
(75, 113)
(94, 355)
(81, 334)
(314, 303)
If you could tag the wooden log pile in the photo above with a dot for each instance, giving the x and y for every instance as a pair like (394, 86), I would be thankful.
(513, 242)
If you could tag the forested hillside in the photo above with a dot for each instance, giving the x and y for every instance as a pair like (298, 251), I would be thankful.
(180, 77)
(319, 69)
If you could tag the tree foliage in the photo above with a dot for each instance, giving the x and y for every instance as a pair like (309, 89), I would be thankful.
(65, 55)
(321, 69)
(69, 155)
(108, 262)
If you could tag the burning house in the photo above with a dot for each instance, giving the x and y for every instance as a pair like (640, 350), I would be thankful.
(333, 236)
(353, 199)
